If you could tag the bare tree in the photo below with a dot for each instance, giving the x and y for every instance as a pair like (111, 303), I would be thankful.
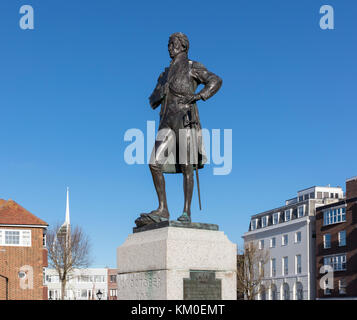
(67, 249)
(250, 270)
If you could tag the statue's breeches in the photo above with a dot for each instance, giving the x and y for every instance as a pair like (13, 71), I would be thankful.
(176, 146)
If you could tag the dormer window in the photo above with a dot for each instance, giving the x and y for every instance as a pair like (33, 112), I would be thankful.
(265, 221)
(288, 215)
(254, 224)
(276, 217)
(301, 211)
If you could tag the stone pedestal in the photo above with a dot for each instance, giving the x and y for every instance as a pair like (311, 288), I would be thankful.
(176, 262)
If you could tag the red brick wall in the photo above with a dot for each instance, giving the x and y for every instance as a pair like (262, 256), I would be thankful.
(112, 285)
(12, 258)
(350, 225)
(351, 188)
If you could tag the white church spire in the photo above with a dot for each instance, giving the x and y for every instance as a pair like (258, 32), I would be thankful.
(67, 221)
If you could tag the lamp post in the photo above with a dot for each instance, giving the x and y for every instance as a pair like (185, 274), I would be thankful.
(99, 295)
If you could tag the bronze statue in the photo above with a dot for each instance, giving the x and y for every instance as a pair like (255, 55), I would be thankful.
(179, 132)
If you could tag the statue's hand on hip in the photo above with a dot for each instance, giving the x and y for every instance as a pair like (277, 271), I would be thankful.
(191, 99)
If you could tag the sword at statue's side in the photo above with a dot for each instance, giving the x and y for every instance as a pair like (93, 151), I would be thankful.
(195, 151)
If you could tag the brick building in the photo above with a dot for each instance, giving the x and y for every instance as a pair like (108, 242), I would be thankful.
(336, 245)
(112, 284)
(22, 253)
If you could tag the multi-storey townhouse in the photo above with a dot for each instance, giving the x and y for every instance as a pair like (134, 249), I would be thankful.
(287, 233)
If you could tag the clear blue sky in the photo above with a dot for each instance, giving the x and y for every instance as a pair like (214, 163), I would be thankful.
(71, 88)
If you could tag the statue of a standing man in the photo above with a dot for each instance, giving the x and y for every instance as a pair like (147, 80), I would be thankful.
(178, 146)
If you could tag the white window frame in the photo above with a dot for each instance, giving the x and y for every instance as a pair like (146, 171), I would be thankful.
(114, 292)
(297, 266)
(325, 246)
(303, 211)
(271, 242)
(273, 267)
(286, 214)
(254, 224)
(261, 244)
(283, 243)
(339, 238)
(285, 266)
(336, 262)
(332, 214)
(278, 215)
(25, 238)
(296, 237)
(265, 221)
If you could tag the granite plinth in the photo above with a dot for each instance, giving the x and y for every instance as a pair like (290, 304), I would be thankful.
(156, 264)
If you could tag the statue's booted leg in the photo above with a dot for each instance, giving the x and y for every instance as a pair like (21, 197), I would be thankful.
(162, 212)
(159, 183)
(188, 183)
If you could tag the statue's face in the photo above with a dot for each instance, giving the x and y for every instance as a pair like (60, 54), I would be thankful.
(175, 47)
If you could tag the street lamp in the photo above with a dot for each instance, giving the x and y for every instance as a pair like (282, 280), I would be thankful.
(99, 295)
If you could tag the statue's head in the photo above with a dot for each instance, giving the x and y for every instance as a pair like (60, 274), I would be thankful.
(178, 42)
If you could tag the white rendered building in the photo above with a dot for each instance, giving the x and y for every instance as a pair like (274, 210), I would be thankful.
(288, 234)
(82, 284)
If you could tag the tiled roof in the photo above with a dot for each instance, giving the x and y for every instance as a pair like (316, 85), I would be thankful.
(12, 213)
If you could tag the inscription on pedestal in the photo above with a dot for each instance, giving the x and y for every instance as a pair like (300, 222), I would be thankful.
(140, 286)
(202, 285)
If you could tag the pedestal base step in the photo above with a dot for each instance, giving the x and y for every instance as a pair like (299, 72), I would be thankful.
(177, 224)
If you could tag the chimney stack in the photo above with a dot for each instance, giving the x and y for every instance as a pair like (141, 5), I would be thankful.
(351, 188)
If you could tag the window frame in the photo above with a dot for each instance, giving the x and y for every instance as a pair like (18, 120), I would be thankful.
(298, 267)
(261, 244)
(283, 243)
(339, 260)
(254, 222)
(334, 215)
(273, 267)
(342, 287)
(271, 242)
(276, 214)
(24, 236)
(325, 242)
(289, 211)
(285, 265)
(296, 237)
(345, 238)
(303, 211)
